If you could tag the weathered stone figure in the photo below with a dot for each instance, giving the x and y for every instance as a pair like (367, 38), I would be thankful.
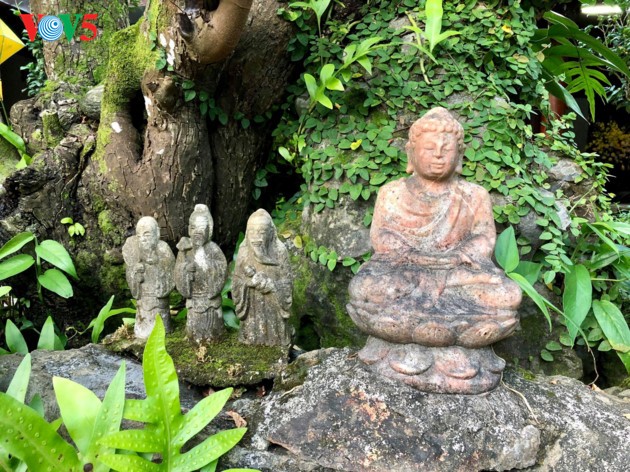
(431, 291)
(200, 274)
(262, 285)
(150, 265)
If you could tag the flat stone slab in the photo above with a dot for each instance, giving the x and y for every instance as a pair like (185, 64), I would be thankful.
(342, 416)
(92, 366)
(222, 363)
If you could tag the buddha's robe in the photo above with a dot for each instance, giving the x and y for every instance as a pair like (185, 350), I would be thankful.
(201, 287)
(263, 314)
(432, 248)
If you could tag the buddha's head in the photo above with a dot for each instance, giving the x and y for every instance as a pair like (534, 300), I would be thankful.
(435, 147)
(260, 235)
(148, 233)
(200, 225)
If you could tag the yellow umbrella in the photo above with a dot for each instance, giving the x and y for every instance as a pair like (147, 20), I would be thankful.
(9, 45)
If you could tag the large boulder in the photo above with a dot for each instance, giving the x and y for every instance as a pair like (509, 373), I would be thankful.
(92, 366)
(338, 415)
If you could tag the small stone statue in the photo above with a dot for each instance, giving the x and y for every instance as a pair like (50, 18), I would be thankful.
(200, 274)
(262, 285)
(150, 265)
(430, 297)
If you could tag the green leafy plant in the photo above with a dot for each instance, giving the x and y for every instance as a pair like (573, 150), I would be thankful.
(167, 430)
(577, 58)
(74, 228)
(48, 338)
(52, 252)
(329, 75)
(18, 143)
(36, 442)
(98, 324)
(319, 7)
(17, 390)
(432, 33)
(599, 321)
(615, 32)
(94, 426)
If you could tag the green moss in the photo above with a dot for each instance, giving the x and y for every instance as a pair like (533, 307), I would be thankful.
(9, 157)
(110, 229)
(329, 319)
(130, 56)
(526, 374)
(224, 363)
(113, 278)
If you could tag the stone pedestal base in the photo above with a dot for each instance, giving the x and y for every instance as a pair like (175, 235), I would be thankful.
(452, 369)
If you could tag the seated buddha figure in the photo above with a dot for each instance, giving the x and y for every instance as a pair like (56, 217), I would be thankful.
(431, 280)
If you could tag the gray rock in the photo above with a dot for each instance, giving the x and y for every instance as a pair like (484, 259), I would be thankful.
(92, 366)
(340, 228)
(343, 417)
(91, 104)
(565, 170)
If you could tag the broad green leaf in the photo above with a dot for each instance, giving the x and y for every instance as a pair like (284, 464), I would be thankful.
(57, 255)
(47, 336)
(324, 100)
(327, 72)
(625, 358)
(19, 384)
(37, 404)
(160, 377)
(209, 450)
(16, 243)
(506, 251)
(4, 290)
(78, 406)
(434, 12)
(15, 265)
(577, 297)
(98, 323)
(565, 28)
(613, 324)
(28, 436)
(108, 418)
(605, 239)
(366, 63)
(127, 463)
(334, 84)
(202, 413)
(141, 410)
(311, 86)
(14, 139)
(55, 281)
(446, 35)
(538, 299)
(14, 338)
(137, 440)
(558, 90)
(66, 221)
(529, 270)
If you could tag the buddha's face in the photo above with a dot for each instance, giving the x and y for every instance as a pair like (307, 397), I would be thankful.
(259, 236)
(148, 235)
(434, 155)
(199, 231)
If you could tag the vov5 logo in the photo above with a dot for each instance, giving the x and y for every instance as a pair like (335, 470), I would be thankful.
(51, 27)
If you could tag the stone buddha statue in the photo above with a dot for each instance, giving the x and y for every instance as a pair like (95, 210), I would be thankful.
(200, 274)
(430, 295)
(150, 264)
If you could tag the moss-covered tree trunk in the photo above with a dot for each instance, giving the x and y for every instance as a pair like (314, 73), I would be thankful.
(157, 154)
(152, 152)
(76, 60)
